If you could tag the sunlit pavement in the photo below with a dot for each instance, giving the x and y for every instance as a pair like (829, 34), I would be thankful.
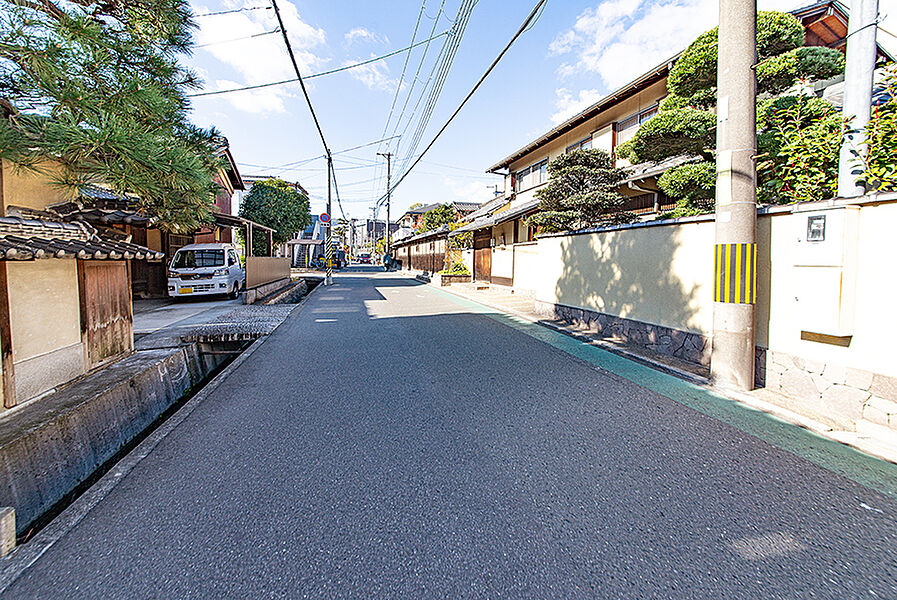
(393, 441)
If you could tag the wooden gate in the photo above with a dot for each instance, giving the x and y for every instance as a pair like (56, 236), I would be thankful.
(107, 321)
(482, 255)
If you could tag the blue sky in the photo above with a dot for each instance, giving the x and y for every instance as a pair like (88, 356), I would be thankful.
(578, 51)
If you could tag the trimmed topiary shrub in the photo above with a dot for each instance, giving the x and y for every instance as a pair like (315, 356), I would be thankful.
(777, 74)
(676, 132)
(693, 185)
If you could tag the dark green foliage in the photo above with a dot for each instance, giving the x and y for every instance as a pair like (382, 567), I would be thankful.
(693, 185)
(443, 214)
(686, 125)
(778, 32)
(778, 73)
(695, 70)
(103, 97)
(798, 145)
(676, 132)
(276, 204)
(581, 192)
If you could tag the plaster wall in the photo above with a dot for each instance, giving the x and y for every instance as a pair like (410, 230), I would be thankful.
(46, 324)
(30, 189)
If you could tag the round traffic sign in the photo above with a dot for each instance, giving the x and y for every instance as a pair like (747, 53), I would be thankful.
(325, 218)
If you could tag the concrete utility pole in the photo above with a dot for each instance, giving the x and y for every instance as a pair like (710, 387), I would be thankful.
(328, 231)
(735, 253)
(862, 53)
(388, 156)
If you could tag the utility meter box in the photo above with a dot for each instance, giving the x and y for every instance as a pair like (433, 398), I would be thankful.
(825, 268)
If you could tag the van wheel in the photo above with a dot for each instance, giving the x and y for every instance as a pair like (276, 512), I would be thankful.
(235, 292)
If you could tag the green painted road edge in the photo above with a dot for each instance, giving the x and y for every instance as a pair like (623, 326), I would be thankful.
(869, 471)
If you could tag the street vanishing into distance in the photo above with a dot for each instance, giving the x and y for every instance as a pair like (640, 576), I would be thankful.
(391, 440)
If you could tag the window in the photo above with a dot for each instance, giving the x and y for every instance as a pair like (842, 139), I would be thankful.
(627, 127)
(531, 176)
(581, 145)
(542, 175)
(520, 181)
(192, 259)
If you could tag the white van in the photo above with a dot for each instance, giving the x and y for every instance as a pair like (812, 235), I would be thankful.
(205, 269)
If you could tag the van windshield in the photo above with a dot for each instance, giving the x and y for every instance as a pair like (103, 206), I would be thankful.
(192, 259)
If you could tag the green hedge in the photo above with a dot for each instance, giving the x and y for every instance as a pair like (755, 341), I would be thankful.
(673, 133)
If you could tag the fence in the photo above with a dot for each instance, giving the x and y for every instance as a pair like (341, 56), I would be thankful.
(265, 269)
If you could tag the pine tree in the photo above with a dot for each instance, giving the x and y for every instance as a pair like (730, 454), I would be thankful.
(101, 95)
(686, 125)
(581, 192)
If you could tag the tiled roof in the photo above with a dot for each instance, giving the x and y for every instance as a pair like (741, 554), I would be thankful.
(27, 239)
(101, 206)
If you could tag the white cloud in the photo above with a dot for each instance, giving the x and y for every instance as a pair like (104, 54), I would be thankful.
(374, 75)
(360, 34)
(620, 39)
(260, 59)
(568, 105)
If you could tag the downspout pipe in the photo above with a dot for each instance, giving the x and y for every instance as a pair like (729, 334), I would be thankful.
(636, 187)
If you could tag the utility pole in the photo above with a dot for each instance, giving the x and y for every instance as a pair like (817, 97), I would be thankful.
(862, 53)
(388, 156)
(328, 236)
(735, 252)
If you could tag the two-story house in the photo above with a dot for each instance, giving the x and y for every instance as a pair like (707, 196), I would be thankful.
(605, 125)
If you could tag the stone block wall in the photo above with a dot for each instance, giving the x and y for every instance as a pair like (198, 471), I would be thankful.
(842, 396)
(692, 347)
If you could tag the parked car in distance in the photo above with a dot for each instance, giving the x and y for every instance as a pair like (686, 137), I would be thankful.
(198, 269)
(365, 258)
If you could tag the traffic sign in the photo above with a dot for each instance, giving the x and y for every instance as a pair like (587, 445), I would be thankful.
(325, 218)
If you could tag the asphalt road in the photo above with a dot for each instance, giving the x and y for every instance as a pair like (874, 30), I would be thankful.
(389, 441)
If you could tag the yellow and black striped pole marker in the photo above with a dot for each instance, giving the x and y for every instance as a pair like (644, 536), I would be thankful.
(735, 273)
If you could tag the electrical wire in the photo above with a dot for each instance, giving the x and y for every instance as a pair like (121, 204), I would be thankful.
(313, 75)
(532, 15)
(436, 74)
(245, 37)
(236, 10)
(448, 57)
(311, 108)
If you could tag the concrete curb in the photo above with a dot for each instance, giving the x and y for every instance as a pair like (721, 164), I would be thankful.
(18, 561)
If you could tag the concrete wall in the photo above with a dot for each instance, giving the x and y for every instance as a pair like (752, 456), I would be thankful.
(660, 275)
(46, 324)
(653, 282)
(265, 269)
(49, 447)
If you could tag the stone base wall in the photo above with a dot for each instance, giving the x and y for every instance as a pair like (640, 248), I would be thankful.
(685, 345)
(839, 395)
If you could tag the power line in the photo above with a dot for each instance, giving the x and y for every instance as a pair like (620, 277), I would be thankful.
(311, 108)
(438, 65)
(523, 27)
(313, 75)
(448, 57)
(236, 10)
(245, 37)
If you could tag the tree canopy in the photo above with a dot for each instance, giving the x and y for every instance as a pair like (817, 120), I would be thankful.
(276, 204)
(444, 214)
(581, 192)
(101, 94)
(686, 124)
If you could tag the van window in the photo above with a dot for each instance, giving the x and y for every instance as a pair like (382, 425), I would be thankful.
(192, 259)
